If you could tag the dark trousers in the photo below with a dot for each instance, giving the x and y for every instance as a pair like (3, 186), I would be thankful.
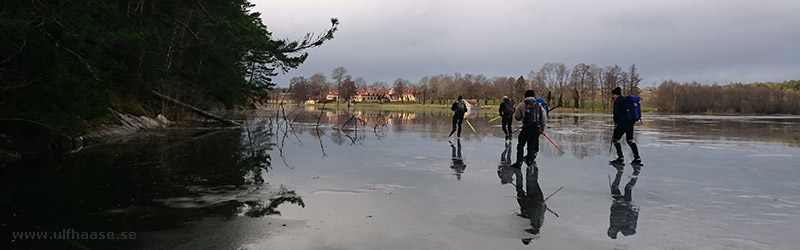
(507, 125)
(531, 137)
(457, 120)
(626, 128)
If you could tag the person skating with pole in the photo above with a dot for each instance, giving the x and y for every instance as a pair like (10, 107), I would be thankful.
(534, 121)
(460, 108)
(623, 125)
(506, 113)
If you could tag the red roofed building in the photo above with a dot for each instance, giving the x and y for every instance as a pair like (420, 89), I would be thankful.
(367, 95)
(333, 95)
(363, 95)
(408, 94)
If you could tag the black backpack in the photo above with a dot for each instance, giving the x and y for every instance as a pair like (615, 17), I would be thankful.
(509, 108)
(461, 107)
(532, 112)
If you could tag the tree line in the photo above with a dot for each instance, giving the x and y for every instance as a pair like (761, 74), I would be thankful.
(64, 63)
(581, 86)
(753, 98)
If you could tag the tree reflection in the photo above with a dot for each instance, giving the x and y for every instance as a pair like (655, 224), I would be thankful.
(160, 182)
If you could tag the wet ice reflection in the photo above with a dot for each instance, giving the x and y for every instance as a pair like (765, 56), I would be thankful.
(385, 180)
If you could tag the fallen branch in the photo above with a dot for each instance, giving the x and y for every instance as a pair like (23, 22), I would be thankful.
(198, 111)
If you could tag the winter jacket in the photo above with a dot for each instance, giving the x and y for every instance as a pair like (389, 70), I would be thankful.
(504, 106)
(619, 109)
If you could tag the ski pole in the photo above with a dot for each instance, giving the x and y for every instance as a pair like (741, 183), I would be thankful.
(470, 126)
(548, 111)
(548, 209)
(551, 195)
(551, 141)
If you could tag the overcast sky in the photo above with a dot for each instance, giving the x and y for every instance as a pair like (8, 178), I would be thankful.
(706, 41)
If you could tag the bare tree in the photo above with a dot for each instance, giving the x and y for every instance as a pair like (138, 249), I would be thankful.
(481, 84)
(400, 86)
(338, 75)
(424, 88)
(550, 77)
(348, 90)
(319, 86)
(612, 78)
(300, 89)
(562, 76)
(581, 75)
(536, 82)
(360, 83)
(632, 87)
(443, 87)
(504, 86)
(519, 89)
(377, 85)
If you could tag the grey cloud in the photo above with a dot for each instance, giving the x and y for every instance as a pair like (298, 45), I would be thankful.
(706, 41)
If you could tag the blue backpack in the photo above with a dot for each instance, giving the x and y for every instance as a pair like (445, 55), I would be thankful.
(543, 103)
(633, 110)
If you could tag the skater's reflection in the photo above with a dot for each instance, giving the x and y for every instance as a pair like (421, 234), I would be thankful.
(504, 171)
(624, 214)
(458, 162)
(530, 198)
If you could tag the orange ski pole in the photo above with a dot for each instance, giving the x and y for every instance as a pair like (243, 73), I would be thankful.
(551, 141)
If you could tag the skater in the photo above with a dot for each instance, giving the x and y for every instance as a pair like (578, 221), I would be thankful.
(533, 123)
(623, 125)
(460, 108)
(506, 113)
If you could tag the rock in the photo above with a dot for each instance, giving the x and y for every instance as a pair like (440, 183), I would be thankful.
(163, 120)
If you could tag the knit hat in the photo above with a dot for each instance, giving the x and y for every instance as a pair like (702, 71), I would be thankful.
(617, 91)
(530, 93)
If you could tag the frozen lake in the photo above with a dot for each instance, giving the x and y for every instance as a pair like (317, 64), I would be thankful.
(709, 182)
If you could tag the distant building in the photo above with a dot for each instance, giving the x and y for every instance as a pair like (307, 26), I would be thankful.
(333, 95)
(409, 94)
(376, 95)
(367, 95)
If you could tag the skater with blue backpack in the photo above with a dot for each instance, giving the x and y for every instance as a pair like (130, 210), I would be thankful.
(533, 119)
(626, 112)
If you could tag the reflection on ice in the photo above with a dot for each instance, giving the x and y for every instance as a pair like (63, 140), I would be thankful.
(458, 161)
(624, 212)
(386, 182)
